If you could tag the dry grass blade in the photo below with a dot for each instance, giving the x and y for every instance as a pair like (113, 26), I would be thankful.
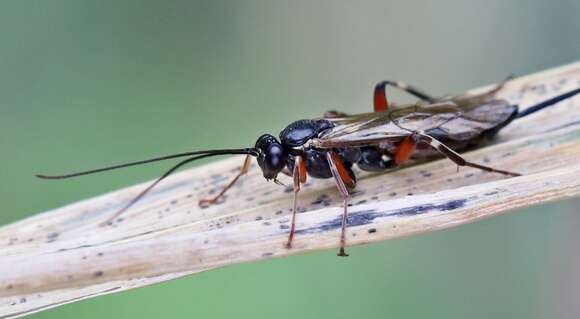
(63, 255)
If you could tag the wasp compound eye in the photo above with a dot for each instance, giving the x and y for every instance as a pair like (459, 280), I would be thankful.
(272, 156)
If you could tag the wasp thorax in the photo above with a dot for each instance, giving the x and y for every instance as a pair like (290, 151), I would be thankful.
(272, 156)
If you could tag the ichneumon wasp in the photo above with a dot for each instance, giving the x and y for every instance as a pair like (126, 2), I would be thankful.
(329, 146)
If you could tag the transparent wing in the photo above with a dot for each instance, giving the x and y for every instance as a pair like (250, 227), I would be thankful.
(446, 119)
(360, 129)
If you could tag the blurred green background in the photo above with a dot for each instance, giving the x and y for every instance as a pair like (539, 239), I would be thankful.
(86, 83)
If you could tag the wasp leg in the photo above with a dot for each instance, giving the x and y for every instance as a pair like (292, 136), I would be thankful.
(499, 86)
(481, 98)
(409, 144)
(144, 192)
(380, 101)
(204, 202)
(343, 179)
(299, 176)
(456, 158)
(403, 152)
(405, 149)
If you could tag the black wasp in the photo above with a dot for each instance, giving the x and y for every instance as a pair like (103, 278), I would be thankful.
(328, 147)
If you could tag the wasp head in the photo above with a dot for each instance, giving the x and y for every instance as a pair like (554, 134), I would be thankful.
(271, 156)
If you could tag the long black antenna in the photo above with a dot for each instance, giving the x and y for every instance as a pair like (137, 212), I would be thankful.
(146, 190)
(193, 156)
(550, 102)
(246, 151)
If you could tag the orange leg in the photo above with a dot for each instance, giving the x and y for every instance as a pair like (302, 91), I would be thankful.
(381, 104)
(343, 180)
(405, 150)
(408, 146)
(299, 176)
(456, 158)
(243, 171)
